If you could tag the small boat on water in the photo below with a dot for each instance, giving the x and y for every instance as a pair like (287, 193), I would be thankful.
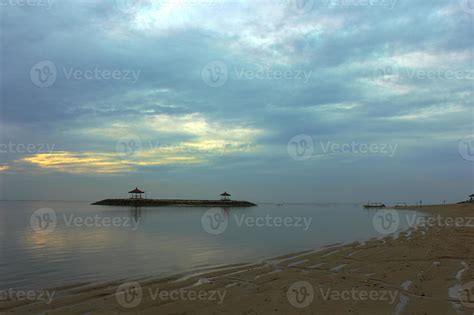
(376, 205)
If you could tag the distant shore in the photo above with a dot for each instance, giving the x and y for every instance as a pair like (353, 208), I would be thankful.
(419, 271)
(174, 203)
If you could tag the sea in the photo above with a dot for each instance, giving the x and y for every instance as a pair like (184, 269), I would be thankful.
(45, 244)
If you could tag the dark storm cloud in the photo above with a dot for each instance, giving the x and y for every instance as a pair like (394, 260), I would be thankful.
(352, 72)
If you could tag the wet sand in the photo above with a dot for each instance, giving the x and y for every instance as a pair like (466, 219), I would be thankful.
(419, 271)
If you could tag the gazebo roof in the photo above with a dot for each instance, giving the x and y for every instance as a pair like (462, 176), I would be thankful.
(226, 194)
(472, 196)
(136, 191)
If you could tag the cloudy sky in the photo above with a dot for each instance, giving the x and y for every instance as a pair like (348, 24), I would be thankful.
(272, 100)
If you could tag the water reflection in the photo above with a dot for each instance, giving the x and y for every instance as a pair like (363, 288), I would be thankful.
(136, 214)
(166, 240)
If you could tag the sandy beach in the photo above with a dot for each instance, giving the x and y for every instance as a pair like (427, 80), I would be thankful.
(236, 157)
(425, 270)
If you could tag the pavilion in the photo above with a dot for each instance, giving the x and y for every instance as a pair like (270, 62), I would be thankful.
(471, 198)
(225, 196)
(136, 193)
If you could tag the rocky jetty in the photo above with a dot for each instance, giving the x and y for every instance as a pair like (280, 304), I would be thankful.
(173, 203)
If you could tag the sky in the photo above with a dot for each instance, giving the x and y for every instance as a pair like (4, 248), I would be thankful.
(271, 100)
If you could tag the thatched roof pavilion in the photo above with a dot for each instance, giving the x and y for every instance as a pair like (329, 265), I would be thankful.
(136, 193)
(225, 196)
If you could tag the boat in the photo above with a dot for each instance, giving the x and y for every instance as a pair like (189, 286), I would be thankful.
(376, 205)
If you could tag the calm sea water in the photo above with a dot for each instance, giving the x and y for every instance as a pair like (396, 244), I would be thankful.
(79, 242)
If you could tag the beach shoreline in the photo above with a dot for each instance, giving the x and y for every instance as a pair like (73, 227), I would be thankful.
(417, 271)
